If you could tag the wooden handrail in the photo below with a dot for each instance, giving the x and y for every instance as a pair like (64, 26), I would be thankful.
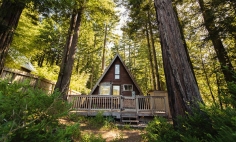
(110, 102)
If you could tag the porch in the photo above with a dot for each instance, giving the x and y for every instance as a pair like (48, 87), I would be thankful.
(128, 109)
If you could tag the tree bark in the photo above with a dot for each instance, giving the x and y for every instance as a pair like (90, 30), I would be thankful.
(66, 67)
(10, 12)
(182, 88)
(184, 41)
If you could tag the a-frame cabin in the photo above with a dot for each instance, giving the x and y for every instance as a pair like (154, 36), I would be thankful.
(117, 94)
(116, 80)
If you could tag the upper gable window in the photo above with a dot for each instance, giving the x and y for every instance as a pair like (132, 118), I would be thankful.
(117, 71)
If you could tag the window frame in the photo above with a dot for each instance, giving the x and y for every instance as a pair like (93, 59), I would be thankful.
(105, 85)
(113, 89)
(127, 85)
(117, 72)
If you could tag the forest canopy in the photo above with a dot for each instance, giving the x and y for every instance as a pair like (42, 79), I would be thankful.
(207, 28)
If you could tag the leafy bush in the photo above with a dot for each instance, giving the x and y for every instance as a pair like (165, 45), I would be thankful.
(211, 124)
(159, 130)
(100, 121)
(28, 114)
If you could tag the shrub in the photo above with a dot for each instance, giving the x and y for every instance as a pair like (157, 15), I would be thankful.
(28, 114)
(159, 130)
(211, 124)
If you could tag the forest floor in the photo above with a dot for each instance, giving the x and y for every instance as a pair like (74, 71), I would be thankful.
(119, 134)
(111, 132)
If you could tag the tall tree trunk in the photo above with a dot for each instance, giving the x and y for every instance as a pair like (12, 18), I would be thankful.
(221, 53)
(182, 88)
(184, 41)
(207, 79)
(66, 67)
(104, 49)
(150, 58)
(156, 70)
(10, 12)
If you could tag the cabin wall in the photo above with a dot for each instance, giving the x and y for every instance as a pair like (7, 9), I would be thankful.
(124, 79)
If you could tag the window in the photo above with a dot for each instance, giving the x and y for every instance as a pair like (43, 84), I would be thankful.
(105, 89)
(127, 87)
(117, 71)
(116, 90)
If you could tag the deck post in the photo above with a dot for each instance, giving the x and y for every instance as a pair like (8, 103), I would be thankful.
(90, 103)
(136, 104)
(111, 103)
(151, 103)
(165, 105)
(121, 102)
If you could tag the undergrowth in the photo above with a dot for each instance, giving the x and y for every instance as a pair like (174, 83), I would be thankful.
(211, 125)
(29, 114)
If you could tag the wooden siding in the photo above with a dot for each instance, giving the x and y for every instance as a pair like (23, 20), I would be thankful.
(125, 78)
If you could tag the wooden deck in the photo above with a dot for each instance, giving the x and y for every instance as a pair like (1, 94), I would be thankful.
(119, 106)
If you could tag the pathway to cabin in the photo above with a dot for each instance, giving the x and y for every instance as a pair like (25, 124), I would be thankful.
(127, 109)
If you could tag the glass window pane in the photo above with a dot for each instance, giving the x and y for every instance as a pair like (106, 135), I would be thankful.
(117, 69)
(105, 90)
(117, 76)
(116, 90)
(128, 87)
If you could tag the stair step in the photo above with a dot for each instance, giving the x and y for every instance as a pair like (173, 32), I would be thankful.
(129, 116)
(130, 121)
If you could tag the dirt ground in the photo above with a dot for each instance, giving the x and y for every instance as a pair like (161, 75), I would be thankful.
(121, 133)
(118, 133)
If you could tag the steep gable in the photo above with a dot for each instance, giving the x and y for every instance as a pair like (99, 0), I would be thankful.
(124, 79)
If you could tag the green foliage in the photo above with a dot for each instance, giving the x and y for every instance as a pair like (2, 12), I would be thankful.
(92, 138)
(159, 130)
(211, 124)
(29, 114)
(50, 73)
(100, 121)
(232, 89)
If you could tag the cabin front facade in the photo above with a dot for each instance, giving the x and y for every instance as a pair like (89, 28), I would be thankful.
(117, 94)
(116, 80)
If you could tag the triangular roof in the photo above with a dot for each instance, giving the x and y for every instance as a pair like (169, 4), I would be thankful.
(105, 72)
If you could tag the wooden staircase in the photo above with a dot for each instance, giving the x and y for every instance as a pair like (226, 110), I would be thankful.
(129, 117)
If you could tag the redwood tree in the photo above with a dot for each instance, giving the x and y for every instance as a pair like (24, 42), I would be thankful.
(182, 88)
(10, 12)
(66, 67)
(214, 35)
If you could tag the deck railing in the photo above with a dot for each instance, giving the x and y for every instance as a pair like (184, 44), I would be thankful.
(151, 103)
(140, 104)
(94, 102)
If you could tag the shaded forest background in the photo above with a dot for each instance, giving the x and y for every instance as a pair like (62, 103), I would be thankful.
(208, 30)
(178, 45)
